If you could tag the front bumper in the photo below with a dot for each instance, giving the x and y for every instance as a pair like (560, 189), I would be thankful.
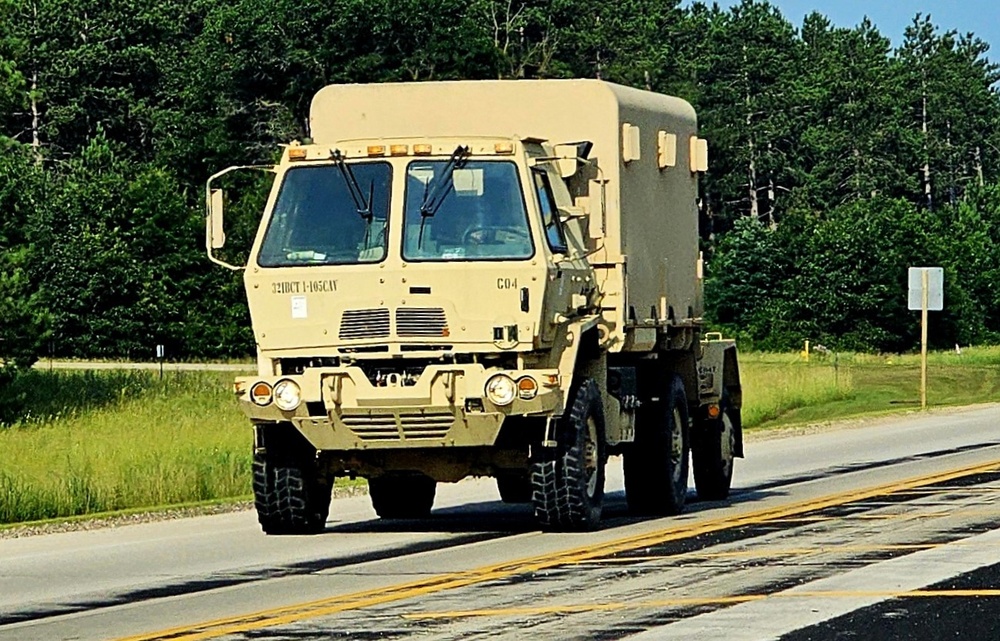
(446, 407)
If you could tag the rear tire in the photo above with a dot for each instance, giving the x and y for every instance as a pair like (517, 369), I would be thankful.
(514, 488)
(402, 496)
(656, 464)
(713, 453)
(568, 481)
(291, 495)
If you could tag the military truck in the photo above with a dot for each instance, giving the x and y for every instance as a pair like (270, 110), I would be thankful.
(484, 278)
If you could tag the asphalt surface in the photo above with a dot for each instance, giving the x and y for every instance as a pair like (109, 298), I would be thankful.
(938, 615)
(888, 529)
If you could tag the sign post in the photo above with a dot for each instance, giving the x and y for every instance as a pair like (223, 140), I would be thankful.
(160, 353)
(926, 293)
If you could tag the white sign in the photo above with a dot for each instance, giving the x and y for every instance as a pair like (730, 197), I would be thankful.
(299, 307)
(160, 351)
(935, 288)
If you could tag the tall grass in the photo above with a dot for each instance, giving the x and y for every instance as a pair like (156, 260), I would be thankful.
(149, 444)
(774, 384)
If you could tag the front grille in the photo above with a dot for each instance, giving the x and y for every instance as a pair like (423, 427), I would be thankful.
(421, 321)
(364, 323)
(416, 425)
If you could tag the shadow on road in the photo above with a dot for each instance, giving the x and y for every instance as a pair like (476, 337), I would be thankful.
(506, 519)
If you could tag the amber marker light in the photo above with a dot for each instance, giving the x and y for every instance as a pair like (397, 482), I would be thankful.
(376, 150)
(296, 153)
(422, 150)
(504, 148)
(527, 388)
(260, 393)
(551, 380)
(713, 411)
(399, 150)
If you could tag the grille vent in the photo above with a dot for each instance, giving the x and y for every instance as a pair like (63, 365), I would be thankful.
(364, 323)
(421, 321)
(426, 425)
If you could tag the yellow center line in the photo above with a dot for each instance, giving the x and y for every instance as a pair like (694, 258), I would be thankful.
(359, 600)
(764, 552)
(695, 601)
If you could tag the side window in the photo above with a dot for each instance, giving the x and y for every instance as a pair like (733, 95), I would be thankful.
(550, 213)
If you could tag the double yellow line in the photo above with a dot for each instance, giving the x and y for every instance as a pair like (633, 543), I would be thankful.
(451, 581)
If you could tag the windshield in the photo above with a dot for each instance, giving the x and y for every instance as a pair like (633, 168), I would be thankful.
(316, 219)
(480, 215)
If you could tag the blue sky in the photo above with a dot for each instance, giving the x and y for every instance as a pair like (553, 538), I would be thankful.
(981, 17)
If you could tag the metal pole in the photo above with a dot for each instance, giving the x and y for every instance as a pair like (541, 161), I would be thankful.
(923, 339)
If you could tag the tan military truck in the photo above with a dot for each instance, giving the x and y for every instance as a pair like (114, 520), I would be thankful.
(486, 278)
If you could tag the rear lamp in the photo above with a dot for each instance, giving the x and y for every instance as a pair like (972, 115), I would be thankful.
(287, 395)
(527, 388)
(260, 393)
(713, 411)
(501, 389)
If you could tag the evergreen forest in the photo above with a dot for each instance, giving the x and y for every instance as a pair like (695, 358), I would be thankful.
(838, 158)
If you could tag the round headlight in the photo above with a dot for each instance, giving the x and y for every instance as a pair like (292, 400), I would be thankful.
(287, 395)
(501, 389)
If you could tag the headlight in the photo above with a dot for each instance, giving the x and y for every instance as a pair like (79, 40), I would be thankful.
(501, 390)
(260, 393)
(287, 395)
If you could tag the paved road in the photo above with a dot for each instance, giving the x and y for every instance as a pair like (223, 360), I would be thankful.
(167, 367)
(885, 529)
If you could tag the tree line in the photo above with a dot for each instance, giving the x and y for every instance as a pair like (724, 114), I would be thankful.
(837, 159)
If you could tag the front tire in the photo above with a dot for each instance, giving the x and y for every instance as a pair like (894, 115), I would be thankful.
(291, 495)
(656, 464)
(714, 452)
(568, 482)
(402, 496)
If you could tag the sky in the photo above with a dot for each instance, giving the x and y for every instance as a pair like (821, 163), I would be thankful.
(891, 17)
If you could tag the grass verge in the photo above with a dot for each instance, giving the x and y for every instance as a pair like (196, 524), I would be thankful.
(113, 441)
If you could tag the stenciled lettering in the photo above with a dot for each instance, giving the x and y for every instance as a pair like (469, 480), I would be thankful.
(286, 287)
(327, 286)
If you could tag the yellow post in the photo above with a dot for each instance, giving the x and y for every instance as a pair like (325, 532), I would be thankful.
(805, 352)
(923, 340)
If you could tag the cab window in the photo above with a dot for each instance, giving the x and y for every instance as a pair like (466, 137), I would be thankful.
(550, 212)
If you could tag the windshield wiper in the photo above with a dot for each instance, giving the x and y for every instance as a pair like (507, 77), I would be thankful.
(443, 185)
(363, 206)
(434, 197)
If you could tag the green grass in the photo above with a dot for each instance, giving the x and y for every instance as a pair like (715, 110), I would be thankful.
(126, 440)
(111, 441)
(784, 389)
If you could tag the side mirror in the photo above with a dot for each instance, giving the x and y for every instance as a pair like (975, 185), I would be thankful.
(567, 160)
(569, 213)
(215, 236)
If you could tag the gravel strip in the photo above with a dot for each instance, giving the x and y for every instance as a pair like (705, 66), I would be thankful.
(166, 514)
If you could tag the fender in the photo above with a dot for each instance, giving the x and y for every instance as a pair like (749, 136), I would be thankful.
(718, 371)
